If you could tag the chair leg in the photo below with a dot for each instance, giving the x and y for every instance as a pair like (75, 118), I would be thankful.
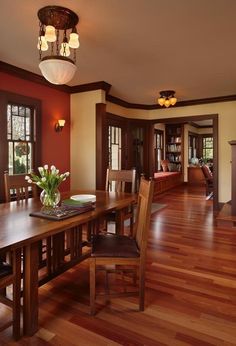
(141, 287)
(16, 294)
(92, 285)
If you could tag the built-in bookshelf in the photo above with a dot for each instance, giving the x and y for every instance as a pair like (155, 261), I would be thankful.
(174, 145)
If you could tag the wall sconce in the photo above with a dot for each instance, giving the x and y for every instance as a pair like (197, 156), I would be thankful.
(59, 125)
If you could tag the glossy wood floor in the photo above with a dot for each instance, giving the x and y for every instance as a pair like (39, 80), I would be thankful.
(190, 288)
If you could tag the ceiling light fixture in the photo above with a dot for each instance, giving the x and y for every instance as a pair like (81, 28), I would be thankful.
(54, 22)
(167, 98)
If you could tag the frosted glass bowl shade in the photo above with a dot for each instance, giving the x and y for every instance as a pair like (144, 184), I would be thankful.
(57, 70)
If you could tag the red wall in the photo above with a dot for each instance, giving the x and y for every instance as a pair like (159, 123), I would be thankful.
(55, 105)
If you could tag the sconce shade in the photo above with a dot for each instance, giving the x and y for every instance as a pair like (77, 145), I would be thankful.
(59, 125)
(61, 122)
(74, 40)
(50, 33)
(57, 70)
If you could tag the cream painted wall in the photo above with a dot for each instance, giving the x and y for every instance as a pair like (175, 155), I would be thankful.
(127, 112)
(205, 130)
(227, 132)
(83, 138)
(83, 145)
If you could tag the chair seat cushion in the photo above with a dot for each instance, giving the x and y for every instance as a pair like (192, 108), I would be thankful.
(5, 269)
(112, 245)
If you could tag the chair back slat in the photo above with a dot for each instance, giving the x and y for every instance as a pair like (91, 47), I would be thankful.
(118, 180)
(17, 188)
(143, 215)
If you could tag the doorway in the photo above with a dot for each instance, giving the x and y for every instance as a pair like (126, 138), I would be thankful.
(199, 121)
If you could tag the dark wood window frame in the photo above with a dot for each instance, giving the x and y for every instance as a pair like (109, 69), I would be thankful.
(157, 133)
(207, 135)
(11, 98)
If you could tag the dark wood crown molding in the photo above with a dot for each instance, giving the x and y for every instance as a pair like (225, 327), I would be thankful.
(120, 102)
(33, 77)
(30, 76)
(90, 87)
(126, 104)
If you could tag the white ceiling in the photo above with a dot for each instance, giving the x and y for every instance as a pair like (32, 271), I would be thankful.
(138, 46)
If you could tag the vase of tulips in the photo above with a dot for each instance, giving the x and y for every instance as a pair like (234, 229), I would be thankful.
(48, 180)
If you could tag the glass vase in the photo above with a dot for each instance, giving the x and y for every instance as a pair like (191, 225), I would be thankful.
(50, 199)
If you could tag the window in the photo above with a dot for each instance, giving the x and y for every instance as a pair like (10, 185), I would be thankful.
(114, 147)
(20, 138)
(158, 148)
(20, 135)
(207, 148)
(192, 147)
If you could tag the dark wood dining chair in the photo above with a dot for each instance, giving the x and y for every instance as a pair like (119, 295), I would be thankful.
(121, 250)
(17, 188)
(11, 275)
(121, 181)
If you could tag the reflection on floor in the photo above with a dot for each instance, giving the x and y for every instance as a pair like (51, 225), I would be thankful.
(190, 288)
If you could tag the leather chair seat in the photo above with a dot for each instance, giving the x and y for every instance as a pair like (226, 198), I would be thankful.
(5, 269)
(112, 245)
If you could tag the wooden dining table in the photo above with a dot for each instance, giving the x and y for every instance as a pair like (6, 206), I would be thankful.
(20, 230)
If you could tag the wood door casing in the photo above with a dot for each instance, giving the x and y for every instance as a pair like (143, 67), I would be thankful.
(129, 130)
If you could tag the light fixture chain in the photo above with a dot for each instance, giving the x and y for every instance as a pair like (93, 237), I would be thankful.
(40, 40)
(64, 43)
(57, 43)
(74, 55)
(52, 48)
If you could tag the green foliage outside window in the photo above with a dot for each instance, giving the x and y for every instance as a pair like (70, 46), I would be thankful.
(20, 168)
(207, 148)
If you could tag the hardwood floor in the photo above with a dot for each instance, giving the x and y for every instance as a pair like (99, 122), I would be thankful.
(190, 288)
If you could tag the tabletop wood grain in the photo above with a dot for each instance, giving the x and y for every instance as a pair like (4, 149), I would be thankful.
(17, 228)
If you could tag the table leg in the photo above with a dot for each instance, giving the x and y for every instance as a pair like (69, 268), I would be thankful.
(120, 221)
(30, 289)
(58, 250)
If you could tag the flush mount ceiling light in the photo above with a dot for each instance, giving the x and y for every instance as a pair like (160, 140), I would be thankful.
(167, 98)
(54, 24)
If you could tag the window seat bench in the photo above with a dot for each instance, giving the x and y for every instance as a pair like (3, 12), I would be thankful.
(164, 181)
